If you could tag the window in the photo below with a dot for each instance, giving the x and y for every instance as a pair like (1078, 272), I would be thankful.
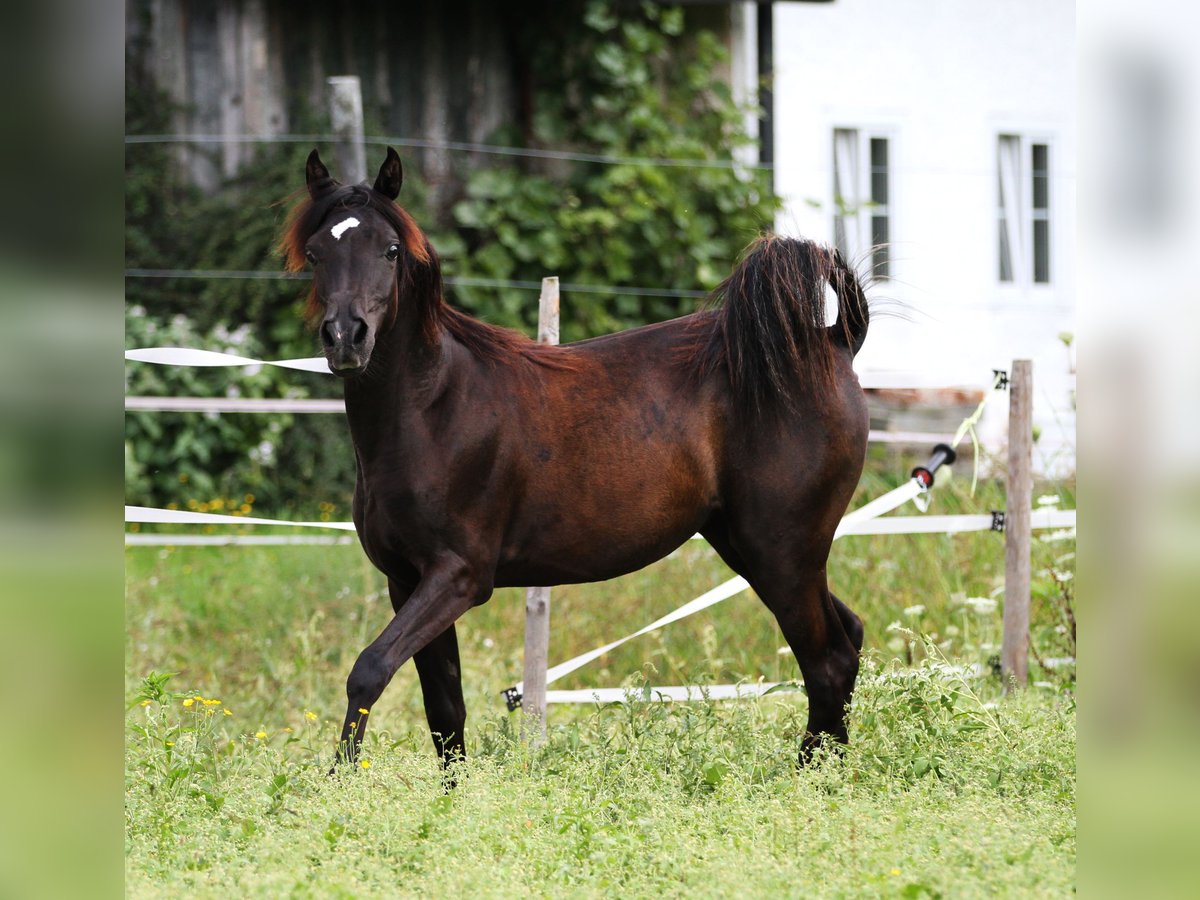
(1023, 170)
(861, 194)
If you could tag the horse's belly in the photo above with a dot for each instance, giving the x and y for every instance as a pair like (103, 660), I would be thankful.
(584, 560)
(579, 542)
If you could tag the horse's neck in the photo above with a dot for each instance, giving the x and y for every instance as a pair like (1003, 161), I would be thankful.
(384, 406)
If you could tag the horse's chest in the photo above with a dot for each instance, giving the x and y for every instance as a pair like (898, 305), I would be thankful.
(393, 529)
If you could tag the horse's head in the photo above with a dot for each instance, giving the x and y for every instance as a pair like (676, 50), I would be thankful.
(363, 250)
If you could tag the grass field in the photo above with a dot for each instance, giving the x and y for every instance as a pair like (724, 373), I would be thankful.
(947, 789)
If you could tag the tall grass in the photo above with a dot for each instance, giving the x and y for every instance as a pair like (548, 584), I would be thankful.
(946, 788)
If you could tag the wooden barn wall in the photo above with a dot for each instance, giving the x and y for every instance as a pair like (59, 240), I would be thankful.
(441, 71)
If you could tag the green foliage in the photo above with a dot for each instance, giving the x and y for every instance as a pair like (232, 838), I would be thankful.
(171, 224)
(171, 458)
(634, 86)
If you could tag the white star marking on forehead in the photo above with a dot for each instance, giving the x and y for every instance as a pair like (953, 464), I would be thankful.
(342, 227)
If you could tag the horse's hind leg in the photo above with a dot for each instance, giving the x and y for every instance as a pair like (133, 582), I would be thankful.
(441, 686)
(825, 637)
(824, 634)
(827, 655)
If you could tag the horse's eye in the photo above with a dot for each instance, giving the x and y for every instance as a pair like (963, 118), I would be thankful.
(393, 251)
(311, 257)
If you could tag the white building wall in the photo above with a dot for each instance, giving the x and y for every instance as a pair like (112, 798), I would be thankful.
(942, 79)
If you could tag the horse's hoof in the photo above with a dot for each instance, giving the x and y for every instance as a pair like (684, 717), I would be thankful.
(813, 742)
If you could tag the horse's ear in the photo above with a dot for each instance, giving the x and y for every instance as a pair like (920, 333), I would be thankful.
(391, 175)
(316, 176)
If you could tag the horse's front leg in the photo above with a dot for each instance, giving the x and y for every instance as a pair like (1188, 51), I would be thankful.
(446, 590)
(441, 686)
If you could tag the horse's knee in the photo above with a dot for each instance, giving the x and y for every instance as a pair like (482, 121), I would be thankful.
(367, 679)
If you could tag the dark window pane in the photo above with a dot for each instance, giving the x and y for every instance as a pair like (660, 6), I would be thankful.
(879, 170)
(1006, 272)
(1041, 251)
(879, 153)
(879, 252)
(879, 187)
(1041, 177)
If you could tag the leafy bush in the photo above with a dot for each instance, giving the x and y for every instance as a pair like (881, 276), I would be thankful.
(173, 458)
(636, 86)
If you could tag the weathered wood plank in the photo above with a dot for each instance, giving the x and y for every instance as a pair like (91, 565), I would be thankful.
(537, 599)
(1015, 647)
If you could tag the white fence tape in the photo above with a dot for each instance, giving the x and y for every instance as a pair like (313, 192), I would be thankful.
(234, 405)
(147, 515)
(184, 356)
(234, 540)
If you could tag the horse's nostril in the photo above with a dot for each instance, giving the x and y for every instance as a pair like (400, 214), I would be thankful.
(360, 332)
(327, 336)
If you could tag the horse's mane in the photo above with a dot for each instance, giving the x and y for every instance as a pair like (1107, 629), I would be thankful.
(418, 279)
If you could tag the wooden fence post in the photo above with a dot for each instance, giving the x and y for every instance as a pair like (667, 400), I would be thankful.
(346, 117)
(537, 599)
(1015, 648)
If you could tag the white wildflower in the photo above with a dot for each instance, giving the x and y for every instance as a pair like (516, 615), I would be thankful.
(982, 605)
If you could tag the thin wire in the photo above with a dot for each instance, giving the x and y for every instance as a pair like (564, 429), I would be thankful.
(457, 281)
(1061, 174)
(460, 146)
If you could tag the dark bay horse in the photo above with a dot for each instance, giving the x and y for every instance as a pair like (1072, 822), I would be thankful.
(486, 460)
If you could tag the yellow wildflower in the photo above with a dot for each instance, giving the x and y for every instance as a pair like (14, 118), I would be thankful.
(147, 702)
(227, 712)
(170, 743)
(260, 734)
(310, 715)
(366, 764)
(363, 710)
(288, 730)
(353, 724)
(189, 701)
(895, 871)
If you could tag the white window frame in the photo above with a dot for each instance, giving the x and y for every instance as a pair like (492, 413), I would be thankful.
(851, 189)
(1014, 183)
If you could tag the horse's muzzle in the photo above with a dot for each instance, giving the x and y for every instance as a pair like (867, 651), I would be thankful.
(347, 345)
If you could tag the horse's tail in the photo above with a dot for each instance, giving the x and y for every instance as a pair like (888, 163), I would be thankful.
(771, 332)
